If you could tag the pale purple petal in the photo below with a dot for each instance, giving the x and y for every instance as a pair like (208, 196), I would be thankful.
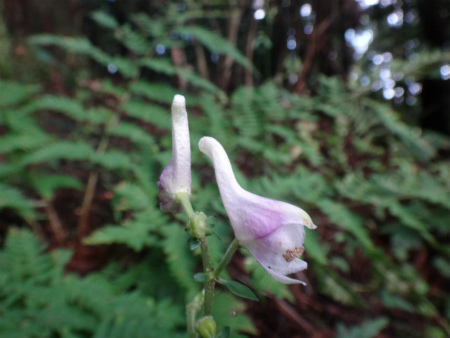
(273, 231)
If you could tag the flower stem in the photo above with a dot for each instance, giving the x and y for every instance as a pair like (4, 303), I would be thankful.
(191, 312)
(209, 284)
(234, 245)
(183, 199)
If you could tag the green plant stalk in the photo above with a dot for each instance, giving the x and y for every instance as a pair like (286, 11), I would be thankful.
(183, 199)
(234, 245)
(191, 312)
(209, 284)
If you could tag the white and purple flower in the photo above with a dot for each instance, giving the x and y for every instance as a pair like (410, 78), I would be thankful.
(176, 177)
(273, 231)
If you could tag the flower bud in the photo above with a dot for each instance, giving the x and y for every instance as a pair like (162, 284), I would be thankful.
(207, 327)
(176, 177)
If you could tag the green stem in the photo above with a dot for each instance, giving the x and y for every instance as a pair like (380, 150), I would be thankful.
(234, 245)
(191, 312)
(209, 284)
(183, 199)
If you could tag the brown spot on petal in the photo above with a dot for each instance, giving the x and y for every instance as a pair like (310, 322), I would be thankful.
(310, 224)
(290, 255)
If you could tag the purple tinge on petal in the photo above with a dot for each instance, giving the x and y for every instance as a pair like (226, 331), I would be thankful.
(253, 216)
(167, 201)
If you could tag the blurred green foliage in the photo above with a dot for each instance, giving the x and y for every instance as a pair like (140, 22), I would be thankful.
(378, 188)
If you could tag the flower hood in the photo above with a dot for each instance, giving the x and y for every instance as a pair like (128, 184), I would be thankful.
(176, 177)
(273, 231)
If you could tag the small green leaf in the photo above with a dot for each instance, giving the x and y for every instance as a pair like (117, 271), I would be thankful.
(104, 19)
(200, 277)
(193, 244)
(224, 332)
(238, 289)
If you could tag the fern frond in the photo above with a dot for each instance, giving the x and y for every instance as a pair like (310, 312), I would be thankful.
(164, 66)
(99, 115)
(83, 46)
(70, 107)
(61, 150)
(215, 43)
(160, 92)
(133, 40)
(133, 234)
(150, 113)
(152, 28)
(418, 146)
(13, 198)
(12, 93)
(180, 260)
(104, 19)
(45, 185)
(352, 222)
(198, 81)
(114, 160)
(132, 132)
(24, 141)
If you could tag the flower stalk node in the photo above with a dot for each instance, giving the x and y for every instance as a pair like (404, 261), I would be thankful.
(196, 226)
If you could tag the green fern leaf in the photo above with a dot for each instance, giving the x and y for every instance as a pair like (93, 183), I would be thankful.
(180, 259)
(70, 44)
(418, 146)
(198, 81)
(45, 185)
(13, 93)
(164, 66)
(160, 92)
(25, 141)
(114, 160)
(61, 150)
(133, 234)
(344, 218)
(132, 132)
(368, 329)
(13, 198)
(100, 115)
(215, 43)
(65, 105)
(133, 40)
(224, 304)
(104, 19)
(150, 113)
(152, 28)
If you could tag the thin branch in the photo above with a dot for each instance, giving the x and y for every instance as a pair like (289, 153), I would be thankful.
(233, 29)
(55, 224)
(316, 43)
(249, 51)
(202, 65)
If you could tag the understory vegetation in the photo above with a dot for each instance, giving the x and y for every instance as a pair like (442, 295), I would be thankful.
(86, 252)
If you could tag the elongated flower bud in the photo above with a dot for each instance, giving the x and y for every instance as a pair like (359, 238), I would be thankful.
(176, 177)
(273, 231)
